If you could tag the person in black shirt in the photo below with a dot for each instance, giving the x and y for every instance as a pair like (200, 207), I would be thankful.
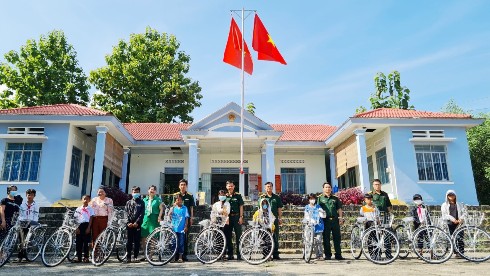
(10, 205)
(135, 209)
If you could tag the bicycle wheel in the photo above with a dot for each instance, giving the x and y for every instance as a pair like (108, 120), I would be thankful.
(103, 247)
(56, 248)
(72, 255)
(404, 241)
(472, 243)
(432, 244)
(121, 241)
(161, 246)
(34, 242)
(380, 245)
(8, 245)
(355, 242)
(308, 239)
(210, 245)
(256, 246)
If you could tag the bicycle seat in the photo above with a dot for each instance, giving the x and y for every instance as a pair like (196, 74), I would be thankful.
(361, 219)
(407, 219)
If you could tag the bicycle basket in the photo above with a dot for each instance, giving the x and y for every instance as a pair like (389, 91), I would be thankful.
(70, 220)
(474, 218)
(205, 223)
(438, 221)
(218, 220)
(386, 219)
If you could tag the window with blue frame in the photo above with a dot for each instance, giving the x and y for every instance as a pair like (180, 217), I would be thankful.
(22, 162)
(293, 180)
(76, 164)
(382, 165)
(431, 162)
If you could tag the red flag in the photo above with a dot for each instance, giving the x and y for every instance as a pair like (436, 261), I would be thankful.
(262, 43)
(233, 50)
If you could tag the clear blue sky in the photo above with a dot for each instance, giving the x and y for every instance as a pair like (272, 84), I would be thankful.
(333, 49)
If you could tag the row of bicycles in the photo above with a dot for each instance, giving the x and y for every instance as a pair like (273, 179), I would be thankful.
(431, 241)
(256, 243)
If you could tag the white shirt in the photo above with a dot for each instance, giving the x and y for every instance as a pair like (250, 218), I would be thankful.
(29, 211)
(221, 209)
(83, 214)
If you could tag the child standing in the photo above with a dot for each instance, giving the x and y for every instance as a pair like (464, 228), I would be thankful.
(221, 208)
(314, 212)
(369, 211)
(29, 211)
(179, 215)
(135, 209)
(9, 205)
(84, 215)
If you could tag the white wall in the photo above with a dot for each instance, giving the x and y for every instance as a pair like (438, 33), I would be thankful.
(373, 144)
(314, 165)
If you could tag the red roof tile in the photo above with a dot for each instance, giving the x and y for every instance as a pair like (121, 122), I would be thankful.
(403, 113)
(57, 109)
(156, 131)
(304, 132)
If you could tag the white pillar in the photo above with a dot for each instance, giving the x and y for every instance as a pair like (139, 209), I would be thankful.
(99, 159)
(333, 168)
(124, 174)
(270, 165)
(193, 167)
(362, 157)
(264, 170)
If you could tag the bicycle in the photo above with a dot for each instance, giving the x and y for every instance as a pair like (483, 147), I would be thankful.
(429, 241)
(59, 244)
(256, 243)
(309, 241)
(31, 243)
(470, 241)
(379, 244)
(161, 244)
(210, 243)
(113, 237)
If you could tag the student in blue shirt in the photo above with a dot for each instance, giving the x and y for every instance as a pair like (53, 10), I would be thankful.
(179, 215)
(314, 213)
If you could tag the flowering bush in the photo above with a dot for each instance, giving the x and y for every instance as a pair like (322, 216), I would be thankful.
(119, 198)
(294, 199)
(351, 196)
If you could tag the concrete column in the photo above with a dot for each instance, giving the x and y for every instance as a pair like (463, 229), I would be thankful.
(99, 159)
(362, 157)
(264, 170)
(193, 173)
(333, 168)
(270, 165)
(124, 174)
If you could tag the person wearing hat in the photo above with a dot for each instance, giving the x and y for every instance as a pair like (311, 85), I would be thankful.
(453, 213)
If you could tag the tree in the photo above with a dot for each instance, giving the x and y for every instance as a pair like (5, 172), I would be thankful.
(144, 80)
(389, 93)
(479, 145)
(251, 108)
(43, 73)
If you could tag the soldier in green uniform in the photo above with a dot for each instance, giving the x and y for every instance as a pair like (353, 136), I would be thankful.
(235, 220)
(380, 199)
(276, 208)
(333, 208)
(189, 202)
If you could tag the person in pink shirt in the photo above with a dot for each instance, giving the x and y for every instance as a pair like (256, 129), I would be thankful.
(103, 207)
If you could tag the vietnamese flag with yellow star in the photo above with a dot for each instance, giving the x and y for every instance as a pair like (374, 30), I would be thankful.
(233, 51)
(262, 43)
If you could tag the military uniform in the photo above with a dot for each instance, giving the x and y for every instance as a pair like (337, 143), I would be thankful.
(275, 202)
(331, 204)
(235, 201)
(381, 201)
(188, 201)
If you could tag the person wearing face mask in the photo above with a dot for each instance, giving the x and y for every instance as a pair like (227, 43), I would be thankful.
(419, 214)
(221, 207)
(135, 209)
(315, 213)
(9, 205)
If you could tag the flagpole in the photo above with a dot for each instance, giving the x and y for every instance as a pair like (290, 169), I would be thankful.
(241, 176)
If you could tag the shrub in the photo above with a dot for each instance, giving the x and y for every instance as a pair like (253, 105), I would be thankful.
(293, 199)
(118, 197)
(351, 196)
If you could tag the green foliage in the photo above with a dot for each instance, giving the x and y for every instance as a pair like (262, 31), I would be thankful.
(144, 80)
(389, 92)
(360, 109)
(43, 73)
(251, 108)
(479, 145)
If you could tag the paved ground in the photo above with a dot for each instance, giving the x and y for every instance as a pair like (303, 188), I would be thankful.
(289, 265)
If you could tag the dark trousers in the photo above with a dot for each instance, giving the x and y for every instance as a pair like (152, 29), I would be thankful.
(82, 241)
(275, 235)
(228, 229)
(459, 239)
(180, 243)
(186, 241)
(333, 226)
(134, 237)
